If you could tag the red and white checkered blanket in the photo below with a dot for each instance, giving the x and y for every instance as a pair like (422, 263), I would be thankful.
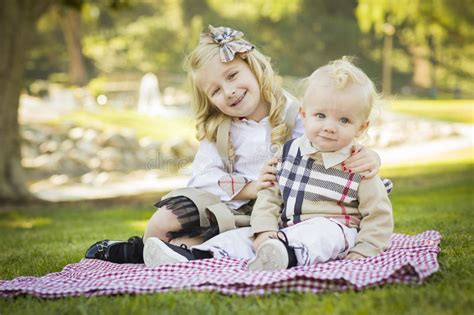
(410, 259)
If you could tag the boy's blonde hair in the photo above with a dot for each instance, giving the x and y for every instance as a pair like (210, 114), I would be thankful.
(340, 74)
(208, 117)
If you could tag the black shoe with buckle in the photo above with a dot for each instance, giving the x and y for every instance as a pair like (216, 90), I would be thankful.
(120, 252)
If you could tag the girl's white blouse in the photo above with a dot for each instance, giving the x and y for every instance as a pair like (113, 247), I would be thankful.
(252, 145)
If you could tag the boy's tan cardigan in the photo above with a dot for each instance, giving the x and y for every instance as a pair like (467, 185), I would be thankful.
(372, 217)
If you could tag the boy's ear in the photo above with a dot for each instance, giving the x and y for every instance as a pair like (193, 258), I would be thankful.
(363, 127)
(302, 112)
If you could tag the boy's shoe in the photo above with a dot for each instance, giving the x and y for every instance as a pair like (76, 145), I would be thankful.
(274, 254)
(120, 252)
(157, 252)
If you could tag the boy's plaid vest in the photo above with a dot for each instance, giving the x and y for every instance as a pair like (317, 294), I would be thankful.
(302, 179)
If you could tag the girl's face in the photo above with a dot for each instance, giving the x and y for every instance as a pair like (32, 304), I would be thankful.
(332, 118)
(232, 88)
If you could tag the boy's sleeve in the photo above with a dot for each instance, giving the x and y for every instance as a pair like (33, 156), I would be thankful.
(376, 226)
(266, 210)
(209, 173)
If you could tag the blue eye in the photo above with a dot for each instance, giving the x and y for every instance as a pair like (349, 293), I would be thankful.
(344, 120)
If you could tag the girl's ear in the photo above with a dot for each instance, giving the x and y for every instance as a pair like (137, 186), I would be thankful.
(243, 55)
(363, 128)
(302, 112)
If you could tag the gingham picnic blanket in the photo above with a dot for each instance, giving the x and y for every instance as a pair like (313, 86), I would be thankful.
(410, 259)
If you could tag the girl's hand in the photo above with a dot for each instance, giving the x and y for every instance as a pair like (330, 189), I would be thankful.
(268, 175)
(364, 161)
(262, 237)
(267, 179)
(353, 256)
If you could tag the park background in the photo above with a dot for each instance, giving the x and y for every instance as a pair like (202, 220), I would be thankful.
(80, 161)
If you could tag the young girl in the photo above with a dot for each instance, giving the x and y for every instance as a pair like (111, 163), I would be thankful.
(242, 118)
(317, 212)
(233, 85)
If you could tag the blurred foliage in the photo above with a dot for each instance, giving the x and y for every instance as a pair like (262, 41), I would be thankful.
(441, 30)
(123, 38)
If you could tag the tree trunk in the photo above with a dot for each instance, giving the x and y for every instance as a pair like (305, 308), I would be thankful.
(17, 23)
(421, 67)
(71, 25)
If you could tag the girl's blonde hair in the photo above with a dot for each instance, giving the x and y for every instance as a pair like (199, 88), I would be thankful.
(208, 116)
(341, 73)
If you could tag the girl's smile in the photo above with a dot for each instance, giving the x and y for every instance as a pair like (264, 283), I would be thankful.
(232, 88)
(239, 99)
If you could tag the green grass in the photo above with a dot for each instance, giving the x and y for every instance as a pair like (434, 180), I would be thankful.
(36, 240)
(158, 128)
(446, 110)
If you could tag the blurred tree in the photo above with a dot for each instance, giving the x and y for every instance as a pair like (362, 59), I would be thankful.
(255, 9)
(320, 32)
(17, 25)
(437, 34)
(147, 37)
(17, 28)
(70, 18)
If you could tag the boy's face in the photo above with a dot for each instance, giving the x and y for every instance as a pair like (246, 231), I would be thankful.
(232, 88)
(332, 118)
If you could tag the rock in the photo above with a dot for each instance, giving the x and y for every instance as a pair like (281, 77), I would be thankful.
(87, 146)
(29, 135)
(29, 151)
(179, 148)
(73, 167)
(88, 178)
(130, 162)
(110, 159)
(112, 139)
(109, 153)
(35, 162)
(148, 143)
(49, 146)
(58, 180)
(76, 133)
(101, 179)
(66, 145)
(90, 135)
(94, 163)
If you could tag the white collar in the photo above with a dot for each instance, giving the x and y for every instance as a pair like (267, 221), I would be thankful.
(264, 120)
(330, 159)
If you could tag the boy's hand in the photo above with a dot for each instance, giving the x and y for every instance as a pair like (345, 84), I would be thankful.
(262, 237)
(268, 175)
(353, 256)
(364, 161)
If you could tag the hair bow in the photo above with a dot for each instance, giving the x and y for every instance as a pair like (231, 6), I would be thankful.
(230, 42)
